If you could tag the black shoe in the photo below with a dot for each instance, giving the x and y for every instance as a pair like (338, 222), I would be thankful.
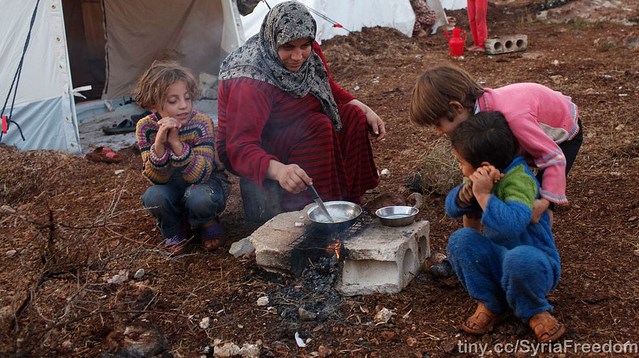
(126, 126)
(442, 269)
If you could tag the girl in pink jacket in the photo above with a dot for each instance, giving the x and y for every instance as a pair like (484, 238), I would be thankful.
(545, 122)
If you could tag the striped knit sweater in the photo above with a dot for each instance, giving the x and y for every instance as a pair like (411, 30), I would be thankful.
(198, 160)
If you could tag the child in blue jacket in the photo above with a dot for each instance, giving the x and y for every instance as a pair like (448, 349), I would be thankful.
(514, 263)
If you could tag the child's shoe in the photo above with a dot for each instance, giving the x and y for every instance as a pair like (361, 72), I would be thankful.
(482, 321)
(546, 327)
(212, 235)
(176, 245)
(442, 269)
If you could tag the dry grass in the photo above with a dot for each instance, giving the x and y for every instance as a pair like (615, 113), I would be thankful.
(439, 169)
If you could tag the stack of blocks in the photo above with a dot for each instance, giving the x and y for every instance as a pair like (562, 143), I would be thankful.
(380, 259)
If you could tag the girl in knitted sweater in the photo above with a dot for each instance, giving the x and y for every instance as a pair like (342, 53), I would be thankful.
(177, 144)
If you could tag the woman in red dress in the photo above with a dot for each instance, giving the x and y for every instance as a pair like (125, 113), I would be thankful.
(283, 119)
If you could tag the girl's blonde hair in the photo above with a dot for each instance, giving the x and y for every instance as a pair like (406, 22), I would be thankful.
(151, 88)
(436, 88)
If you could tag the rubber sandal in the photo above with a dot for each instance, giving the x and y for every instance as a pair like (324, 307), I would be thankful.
(546, 327)
(482, 321)
(104, 155)
(176, 245)
(212, 236)
(126, 126)
(442, 269)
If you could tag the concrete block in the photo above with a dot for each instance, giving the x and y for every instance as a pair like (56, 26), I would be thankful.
(379, 259)
(384, 259)
(272, 241)
(506, 44)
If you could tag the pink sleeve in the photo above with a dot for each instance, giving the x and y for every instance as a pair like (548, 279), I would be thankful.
(341, 95)
(244, 122)
(547, 156)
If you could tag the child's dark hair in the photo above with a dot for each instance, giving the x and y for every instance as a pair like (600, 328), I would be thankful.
(485, 137)
(436, 88)
(152, 86)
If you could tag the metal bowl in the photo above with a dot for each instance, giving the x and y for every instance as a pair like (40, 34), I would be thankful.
(343, 213)
(397, 215)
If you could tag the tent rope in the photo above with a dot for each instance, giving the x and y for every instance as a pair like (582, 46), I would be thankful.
(319, 14)
(16, 79)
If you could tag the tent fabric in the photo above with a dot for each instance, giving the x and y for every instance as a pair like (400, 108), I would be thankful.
(44, 92)
(140, 31)
(353, 15)
(453, 4)
(40, 123)
(199, 33)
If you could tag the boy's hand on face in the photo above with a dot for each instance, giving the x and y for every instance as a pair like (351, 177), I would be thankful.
(465, 196)
(484, 179)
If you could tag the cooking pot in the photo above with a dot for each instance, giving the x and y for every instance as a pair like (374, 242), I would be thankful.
(343, 213)
(398, 215)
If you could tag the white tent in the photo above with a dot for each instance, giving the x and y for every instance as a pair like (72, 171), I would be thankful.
(50, 47)
(353, 15)
(43, 46)
(453, 4)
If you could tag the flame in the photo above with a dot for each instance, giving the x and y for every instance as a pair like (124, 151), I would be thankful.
(334, 248)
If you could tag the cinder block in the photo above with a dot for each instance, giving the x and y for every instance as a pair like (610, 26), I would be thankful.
(384, 259)
(506, 44)
(380, 259)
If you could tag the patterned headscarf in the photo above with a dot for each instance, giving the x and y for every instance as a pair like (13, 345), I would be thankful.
(258, 58)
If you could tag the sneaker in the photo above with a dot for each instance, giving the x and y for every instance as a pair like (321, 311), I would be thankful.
(442, 269)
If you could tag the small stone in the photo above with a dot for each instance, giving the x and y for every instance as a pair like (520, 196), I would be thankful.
(324, 351)
(119, 171)
(226, 350)
(205, 322)
(306, 315)
(139, 274)
(262, 301)
(118, 279)
(11, 253)
(383, 316)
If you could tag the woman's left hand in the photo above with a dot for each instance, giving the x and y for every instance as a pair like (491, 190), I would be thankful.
(377, 127)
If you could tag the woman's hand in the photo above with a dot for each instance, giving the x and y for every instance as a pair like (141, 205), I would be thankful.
(377, 127)
(291, 177)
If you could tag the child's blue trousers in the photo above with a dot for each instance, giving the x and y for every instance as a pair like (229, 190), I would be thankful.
(518, 278)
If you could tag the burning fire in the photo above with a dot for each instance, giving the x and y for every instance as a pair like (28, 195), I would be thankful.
(334, 248)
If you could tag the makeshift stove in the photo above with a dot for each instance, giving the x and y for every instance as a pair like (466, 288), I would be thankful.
(372, 258)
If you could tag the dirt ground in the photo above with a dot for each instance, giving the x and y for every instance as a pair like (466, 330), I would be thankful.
(74, 234)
